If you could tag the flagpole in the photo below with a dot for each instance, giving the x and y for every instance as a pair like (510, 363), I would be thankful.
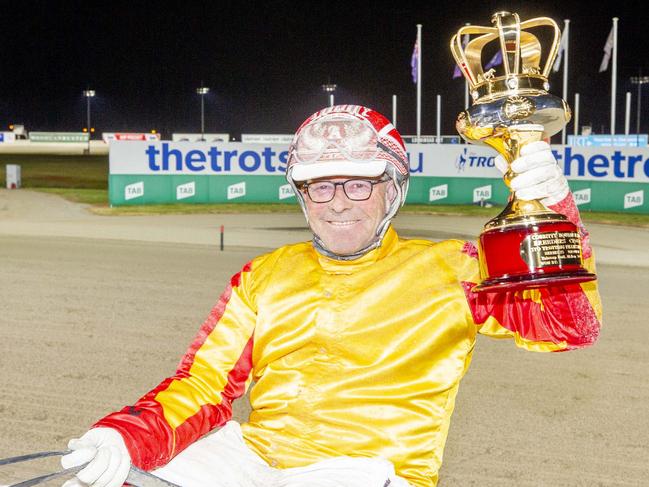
(466, 86)
(627, 113)
(614, 76)
(439, 119)
(576, 127)
(566, 32)
(394, 111)
(419, 82)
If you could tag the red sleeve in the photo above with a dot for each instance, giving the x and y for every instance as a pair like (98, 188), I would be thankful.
(568, 208)
(215, 371)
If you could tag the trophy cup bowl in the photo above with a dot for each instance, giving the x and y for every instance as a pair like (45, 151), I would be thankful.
(526, 246)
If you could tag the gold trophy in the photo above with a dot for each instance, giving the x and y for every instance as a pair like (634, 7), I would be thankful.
(526, 245)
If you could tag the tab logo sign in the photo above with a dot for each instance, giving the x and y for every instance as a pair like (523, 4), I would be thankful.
(438, 192)
(631, 200)
(134, 190)
(286, 191)
(483, 193)
(186, 190)
(236, 190)
(582, 196)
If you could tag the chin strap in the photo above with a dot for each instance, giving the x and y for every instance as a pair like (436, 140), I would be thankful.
(319, 246)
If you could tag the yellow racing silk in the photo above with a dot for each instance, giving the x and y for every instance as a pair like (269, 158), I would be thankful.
(358, 358)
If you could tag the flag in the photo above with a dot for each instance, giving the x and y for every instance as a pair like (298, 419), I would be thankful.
(562, 47)
(413, 62)
(495, 61)
(608, 47)
(456, 72)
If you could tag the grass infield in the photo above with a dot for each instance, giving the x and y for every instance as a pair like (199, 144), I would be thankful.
(98, 199)
(84, 179)
(45, 171)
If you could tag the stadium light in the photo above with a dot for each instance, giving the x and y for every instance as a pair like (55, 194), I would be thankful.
(88, 94)
(330, 88)
(203, 90)
(639, 80)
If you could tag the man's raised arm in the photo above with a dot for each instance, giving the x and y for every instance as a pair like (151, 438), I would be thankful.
(553, 318)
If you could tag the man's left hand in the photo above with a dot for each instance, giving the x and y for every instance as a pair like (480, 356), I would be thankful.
(538, 175)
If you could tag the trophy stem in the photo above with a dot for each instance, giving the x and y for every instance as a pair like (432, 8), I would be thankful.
(510, 142)
(523, 212)
(517, 211)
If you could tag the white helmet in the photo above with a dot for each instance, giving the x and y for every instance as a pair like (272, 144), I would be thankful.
(349, 140)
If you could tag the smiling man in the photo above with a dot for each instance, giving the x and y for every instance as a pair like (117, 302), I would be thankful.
(345, 213)
(356, 341)
(348, 217)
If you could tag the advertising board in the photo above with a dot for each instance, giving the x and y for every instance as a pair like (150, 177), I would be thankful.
(604, 179)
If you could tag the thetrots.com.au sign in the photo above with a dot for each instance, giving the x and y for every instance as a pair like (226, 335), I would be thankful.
(151, 172)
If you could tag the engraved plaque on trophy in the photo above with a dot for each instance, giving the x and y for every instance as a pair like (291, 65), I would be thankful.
(526, 245)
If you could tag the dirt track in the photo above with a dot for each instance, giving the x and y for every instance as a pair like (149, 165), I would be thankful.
(89, 324)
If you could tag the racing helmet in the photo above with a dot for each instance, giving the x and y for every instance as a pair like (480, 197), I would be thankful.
(349, 140)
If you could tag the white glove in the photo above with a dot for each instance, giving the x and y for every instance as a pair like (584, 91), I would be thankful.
(538, 176)
(109, 459)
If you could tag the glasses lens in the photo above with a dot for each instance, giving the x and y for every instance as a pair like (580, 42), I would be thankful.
(321, 192)
(357, 189)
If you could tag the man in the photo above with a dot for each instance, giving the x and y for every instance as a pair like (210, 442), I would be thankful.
(356, 341)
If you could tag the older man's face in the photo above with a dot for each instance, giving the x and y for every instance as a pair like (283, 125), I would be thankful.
(346, 226)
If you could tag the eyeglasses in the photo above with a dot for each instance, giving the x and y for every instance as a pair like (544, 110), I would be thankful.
(355, 189)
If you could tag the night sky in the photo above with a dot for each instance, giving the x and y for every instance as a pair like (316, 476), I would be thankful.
(265, 62)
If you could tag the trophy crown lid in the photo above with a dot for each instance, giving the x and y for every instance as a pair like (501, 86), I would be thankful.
(521, 56)
(496, 15)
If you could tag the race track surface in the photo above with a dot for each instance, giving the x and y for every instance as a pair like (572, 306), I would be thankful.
(95, 311)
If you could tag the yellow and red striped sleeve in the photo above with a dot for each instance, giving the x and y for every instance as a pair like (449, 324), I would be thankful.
(550, 319)
(216, 370)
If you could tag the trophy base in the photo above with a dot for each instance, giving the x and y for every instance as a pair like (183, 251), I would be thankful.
(530, 250)
(533, 281)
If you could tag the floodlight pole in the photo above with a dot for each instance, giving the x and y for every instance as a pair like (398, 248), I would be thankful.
(639, 80)
(88, 94)
(330, 88)
(203, 90)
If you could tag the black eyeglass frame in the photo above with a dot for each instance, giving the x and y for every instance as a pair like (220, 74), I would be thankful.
(305, 187)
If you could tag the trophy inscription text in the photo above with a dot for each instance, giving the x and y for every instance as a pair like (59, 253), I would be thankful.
(551, 249)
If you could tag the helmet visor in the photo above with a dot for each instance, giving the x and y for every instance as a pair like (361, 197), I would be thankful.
(344, 146)
(339, 139)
